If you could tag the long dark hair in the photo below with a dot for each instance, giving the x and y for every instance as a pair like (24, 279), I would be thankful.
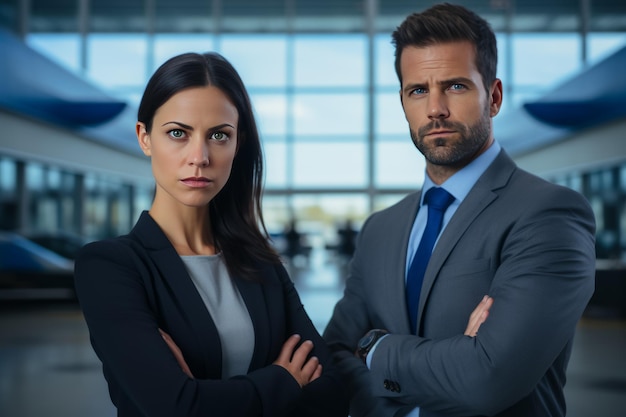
(235, 212)
(444, 23)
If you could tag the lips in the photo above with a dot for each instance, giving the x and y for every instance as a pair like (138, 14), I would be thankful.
(440, 132)
(196, 181)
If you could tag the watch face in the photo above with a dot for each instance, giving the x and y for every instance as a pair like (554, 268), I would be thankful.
(366, 340)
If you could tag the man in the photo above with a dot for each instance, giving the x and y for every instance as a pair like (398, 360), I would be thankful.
(525, 242)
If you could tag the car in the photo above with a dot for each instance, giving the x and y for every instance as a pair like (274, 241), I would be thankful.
(29, 270)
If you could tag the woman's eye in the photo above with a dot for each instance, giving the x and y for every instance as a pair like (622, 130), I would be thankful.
(219, 136)
(177, 133)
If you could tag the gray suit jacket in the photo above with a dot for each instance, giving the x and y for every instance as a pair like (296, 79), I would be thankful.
(526, 242)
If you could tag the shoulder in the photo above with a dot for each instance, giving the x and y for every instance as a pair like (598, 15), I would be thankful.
(540, 190)
(114, 246)
(398, 213)
(121, 253)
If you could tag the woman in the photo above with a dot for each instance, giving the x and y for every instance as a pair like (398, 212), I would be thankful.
(192, 313)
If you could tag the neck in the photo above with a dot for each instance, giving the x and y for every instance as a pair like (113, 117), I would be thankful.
(187, 228)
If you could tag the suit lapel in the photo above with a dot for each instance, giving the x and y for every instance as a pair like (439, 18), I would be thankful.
(394, 269)
(173, 273)
(482, 195)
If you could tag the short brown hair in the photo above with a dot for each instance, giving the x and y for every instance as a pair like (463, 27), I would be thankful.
(444, 23)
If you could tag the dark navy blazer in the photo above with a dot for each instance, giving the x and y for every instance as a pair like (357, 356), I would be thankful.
(131, 286)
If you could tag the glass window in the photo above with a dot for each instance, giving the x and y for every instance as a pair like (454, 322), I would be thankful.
(398, 164)
(384, 62)
(389, 115)
(502, 71)
(276, 157)
(330, 60)
(329, 114)
(120, 209)
(62, 48)
(320, 215)
(7, 177)
(382, 201)
(117, 61)
(330, 163)
(117, 16)
(275, 213)
(142, 200)
(601, 45)
(261, 60)
(167, 45)
(183, 16)
(35, 179)
(541, 60)
(270, 111)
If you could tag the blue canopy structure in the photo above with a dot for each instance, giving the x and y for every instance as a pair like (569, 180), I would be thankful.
(31, 84)
(594, 96)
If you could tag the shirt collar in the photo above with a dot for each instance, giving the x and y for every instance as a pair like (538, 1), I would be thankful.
(460, 184)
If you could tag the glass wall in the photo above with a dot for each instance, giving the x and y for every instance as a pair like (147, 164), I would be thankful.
(322, 82)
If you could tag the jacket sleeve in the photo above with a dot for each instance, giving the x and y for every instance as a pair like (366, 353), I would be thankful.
(349, 322)
(142, 373)
(326, 396)
(543, 276)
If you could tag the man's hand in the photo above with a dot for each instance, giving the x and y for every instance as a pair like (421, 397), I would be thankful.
(478, 316)
(177, 353)
(295, 361)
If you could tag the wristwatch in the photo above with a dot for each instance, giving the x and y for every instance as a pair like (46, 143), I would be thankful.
(366, 343)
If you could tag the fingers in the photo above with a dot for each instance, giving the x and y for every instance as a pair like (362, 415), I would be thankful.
(478, 316)
(297, 362)
(300, 355)
(317, 373)
(287, 350)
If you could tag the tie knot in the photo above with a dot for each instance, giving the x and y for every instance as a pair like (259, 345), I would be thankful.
(438, 198)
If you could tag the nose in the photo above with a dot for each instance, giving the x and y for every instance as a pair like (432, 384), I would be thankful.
(199, 153)
(437, 106)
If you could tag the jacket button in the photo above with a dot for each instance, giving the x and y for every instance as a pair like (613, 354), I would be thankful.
(387, 384)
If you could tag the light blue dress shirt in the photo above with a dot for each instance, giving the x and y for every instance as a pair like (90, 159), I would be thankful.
(459, 185)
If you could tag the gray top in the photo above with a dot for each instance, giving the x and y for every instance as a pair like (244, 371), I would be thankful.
(228, 310)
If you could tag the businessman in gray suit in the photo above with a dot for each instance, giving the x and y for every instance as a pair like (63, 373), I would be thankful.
(514, 249)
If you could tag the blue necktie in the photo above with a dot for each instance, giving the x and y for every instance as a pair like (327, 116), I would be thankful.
(437, 199)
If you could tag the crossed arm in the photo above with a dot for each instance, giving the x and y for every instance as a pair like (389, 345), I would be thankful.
(295, 361)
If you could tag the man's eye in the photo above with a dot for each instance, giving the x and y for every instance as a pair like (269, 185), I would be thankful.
(419, 91)
(457, 87)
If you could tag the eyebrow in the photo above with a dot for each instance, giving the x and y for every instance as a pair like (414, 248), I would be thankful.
(186, 126)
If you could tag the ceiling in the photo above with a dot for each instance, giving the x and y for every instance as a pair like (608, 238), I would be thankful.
(227, 16)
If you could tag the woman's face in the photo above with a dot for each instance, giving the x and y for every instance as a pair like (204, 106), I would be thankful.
(192, 145)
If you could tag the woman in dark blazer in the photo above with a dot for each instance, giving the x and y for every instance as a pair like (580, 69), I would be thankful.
(192, 312)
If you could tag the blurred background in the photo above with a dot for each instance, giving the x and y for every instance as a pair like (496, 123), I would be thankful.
(336, 145)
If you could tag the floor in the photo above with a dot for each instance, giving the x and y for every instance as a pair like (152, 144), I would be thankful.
(47, 367)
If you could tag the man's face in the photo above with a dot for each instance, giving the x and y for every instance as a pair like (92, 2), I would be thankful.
(446, 104)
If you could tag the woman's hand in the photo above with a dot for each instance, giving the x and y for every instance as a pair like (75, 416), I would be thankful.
(478, 316)
(177, 353)
(295, 360)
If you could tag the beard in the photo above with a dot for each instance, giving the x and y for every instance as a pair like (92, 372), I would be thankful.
(460, 152)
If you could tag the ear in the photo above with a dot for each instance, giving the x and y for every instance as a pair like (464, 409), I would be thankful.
(143, 138)
(495, 97)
